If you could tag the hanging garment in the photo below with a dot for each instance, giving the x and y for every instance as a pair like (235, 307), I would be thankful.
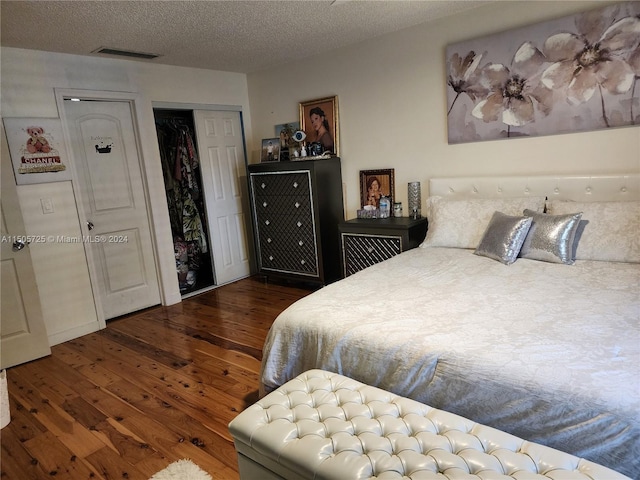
(181, 174)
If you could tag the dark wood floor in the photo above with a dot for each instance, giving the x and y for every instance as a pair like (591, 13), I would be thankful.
(150, 389)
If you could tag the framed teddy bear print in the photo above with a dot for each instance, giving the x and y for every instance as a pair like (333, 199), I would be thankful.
(37, 150)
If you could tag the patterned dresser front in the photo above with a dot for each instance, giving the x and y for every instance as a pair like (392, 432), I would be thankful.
(361, 251)
(367, 241)
(285, 222)
(296, 207)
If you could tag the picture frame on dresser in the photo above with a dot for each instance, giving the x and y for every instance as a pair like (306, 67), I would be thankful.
(318, 113)
(374, 184)
(270, 151)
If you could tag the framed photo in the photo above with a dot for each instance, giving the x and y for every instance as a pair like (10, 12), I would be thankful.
(319, 121)
(270, 150)
(374, 184)
(285, 133)
(37, 150)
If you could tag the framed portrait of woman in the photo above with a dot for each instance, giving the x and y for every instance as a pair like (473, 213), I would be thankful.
(319, 121)
(376, 183)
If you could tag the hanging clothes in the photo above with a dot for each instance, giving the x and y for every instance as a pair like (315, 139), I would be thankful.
(184, 198)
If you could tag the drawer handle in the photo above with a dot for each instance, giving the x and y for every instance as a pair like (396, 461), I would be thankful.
(268, 240)
(267, 222)
(263, 185)
(302, 262)
(297, 204)
(301, 243)
(270, 257)
(264, 204)
(299, 224)
(295, 184)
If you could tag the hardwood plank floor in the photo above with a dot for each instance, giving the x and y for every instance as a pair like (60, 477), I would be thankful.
(152, 388)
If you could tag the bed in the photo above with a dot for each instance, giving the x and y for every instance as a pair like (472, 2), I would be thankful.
(544, 344)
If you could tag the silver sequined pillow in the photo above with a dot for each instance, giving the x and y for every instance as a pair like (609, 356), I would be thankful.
(503, 237)
(612, 234)
(551, 237)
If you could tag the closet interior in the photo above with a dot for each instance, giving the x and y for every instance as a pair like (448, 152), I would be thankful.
(185, 198)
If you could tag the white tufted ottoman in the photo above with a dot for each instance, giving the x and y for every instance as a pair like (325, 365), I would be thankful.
(322, 425)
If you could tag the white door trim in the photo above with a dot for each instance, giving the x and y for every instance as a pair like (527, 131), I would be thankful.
(197, 106)
(169, 292)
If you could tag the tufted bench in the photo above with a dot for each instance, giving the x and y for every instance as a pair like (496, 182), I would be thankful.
(322, 425)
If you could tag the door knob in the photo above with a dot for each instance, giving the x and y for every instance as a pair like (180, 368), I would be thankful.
(89, 224)
(18, 245)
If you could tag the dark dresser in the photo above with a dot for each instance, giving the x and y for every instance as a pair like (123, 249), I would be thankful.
(367, 241)
(296, 208)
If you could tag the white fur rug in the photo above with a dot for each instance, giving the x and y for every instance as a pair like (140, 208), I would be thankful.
(182, 470)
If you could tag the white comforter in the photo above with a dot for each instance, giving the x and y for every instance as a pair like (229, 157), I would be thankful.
(548, 352)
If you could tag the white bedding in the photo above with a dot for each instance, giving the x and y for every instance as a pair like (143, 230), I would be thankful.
(548, 352)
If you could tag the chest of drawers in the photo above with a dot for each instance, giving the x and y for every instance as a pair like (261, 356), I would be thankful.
(296, 208)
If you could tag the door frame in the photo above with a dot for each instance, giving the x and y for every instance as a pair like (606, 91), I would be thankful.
(168, 290)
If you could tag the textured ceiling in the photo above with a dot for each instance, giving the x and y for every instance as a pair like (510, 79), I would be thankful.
(236, 36)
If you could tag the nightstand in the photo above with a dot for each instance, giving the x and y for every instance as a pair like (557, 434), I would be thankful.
(367, 241)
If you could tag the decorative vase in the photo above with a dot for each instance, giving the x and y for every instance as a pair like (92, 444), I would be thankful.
(415, 200)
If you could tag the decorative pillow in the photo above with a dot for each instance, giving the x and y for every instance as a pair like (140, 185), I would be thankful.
(551, 237)
(461, 223)
(504, 237)
(613, 231)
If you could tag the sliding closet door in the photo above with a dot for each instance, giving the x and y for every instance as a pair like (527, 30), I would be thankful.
(221, 150)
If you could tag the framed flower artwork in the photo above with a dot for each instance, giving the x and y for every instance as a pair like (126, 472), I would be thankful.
(573, 74)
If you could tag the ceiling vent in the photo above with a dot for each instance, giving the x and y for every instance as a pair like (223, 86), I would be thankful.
(126, 53)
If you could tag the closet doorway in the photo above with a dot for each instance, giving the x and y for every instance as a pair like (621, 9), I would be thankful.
(204, 170)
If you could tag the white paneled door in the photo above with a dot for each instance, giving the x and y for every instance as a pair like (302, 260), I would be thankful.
(22, 328)
(113, 210)
(221, 150)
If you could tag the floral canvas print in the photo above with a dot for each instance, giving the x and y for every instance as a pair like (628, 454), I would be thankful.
(573, 74)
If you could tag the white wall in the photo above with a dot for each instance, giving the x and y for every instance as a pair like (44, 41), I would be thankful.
(29, 80)
(392, 107)
(392, 110)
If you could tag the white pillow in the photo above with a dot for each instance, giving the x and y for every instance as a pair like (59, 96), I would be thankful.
(612, 231)
(461, 223)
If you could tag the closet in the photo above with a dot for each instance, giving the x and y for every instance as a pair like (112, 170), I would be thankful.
(205, 175)
(184, 188)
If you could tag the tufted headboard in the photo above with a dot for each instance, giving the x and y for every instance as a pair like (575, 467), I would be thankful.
(593, 188)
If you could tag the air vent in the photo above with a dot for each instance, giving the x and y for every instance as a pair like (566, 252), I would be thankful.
(126, 53)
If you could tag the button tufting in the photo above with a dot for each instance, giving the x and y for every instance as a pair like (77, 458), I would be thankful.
(324, 425)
